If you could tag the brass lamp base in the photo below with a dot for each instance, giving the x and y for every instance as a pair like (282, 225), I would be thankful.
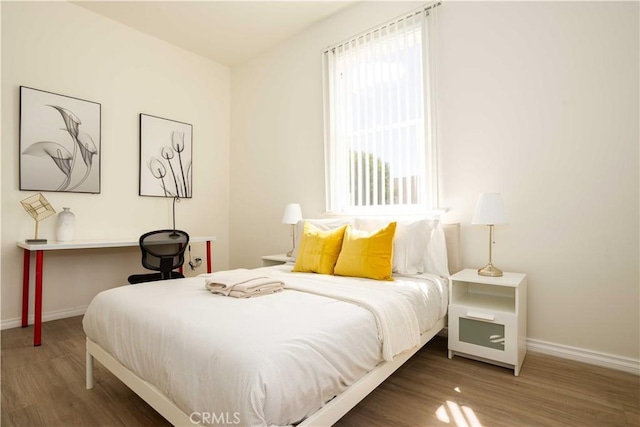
(490, 270)
(290, 253)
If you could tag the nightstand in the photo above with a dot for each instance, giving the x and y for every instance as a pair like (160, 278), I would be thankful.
(269, 260)
(488, 318)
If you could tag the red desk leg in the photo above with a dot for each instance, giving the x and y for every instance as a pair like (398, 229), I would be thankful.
(37, 334)
(208, 256)
(25, 287)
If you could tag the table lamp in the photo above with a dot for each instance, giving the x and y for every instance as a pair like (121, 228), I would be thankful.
(489, 211)
(38, 208)
(292, 214)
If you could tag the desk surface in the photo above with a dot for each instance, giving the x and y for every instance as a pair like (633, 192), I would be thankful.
(96, 243)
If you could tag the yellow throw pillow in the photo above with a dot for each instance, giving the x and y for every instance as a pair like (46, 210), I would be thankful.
(367, 254)
(318, 249)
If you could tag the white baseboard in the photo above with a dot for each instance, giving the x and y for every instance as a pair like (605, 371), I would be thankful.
(591, 357)
(51, 315)
(605, 360)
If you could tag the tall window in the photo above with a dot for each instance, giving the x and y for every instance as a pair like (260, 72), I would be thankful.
(379, 135)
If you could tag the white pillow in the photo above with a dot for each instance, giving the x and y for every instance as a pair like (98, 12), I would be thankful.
(418, 246)
(324, 224)
(436, 257)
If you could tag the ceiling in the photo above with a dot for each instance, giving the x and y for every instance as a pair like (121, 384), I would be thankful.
(229, 32)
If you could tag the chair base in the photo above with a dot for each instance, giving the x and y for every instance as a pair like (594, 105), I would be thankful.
(152, 277)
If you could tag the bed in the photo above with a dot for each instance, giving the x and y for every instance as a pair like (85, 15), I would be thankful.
(302, 356)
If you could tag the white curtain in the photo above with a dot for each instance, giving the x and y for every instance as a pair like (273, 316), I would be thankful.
(380, 132)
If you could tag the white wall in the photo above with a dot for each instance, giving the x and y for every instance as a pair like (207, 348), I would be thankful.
(538, 101)
(63, 48)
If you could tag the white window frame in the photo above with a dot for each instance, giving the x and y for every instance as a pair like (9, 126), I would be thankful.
(337, 155)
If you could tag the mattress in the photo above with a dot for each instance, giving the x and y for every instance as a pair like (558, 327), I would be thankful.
(269, 360)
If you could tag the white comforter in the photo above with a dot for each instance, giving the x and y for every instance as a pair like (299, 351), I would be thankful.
(270, 360)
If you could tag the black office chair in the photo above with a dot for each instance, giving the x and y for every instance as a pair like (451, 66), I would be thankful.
(163, 251)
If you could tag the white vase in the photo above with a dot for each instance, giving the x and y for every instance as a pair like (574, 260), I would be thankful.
(65, 225)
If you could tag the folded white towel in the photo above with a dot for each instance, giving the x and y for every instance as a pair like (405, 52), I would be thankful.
(221, 282)
(245, 283)
(254, 288)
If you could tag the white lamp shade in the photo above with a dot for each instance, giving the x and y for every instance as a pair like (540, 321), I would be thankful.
(292, 214)
(489, 210)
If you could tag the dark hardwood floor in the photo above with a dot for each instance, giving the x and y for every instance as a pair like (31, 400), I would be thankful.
(45, 386)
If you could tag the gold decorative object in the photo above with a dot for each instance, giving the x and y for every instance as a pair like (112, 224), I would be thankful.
(39, 208)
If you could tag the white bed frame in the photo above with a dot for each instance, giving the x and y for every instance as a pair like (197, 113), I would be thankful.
(325, 416)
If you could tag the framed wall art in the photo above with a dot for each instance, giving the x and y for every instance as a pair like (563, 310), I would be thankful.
(59, 142)
(165, 157)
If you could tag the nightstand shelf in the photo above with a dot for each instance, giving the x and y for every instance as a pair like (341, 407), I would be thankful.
(488, 317)
(488, 302)
(269, 260)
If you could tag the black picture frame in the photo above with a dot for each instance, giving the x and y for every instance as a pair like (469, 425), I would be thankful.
(59, 142)
(166, 157)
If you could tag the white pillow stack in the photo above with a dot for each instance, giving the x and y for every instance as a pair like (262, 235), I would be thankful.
(419, 245)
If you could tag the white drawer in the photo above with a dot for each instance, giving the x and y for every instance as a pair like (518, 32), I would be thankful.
(483, 333)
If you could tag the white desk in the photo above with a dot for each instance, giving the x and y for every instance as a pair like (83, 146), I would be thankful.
(76, 244)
